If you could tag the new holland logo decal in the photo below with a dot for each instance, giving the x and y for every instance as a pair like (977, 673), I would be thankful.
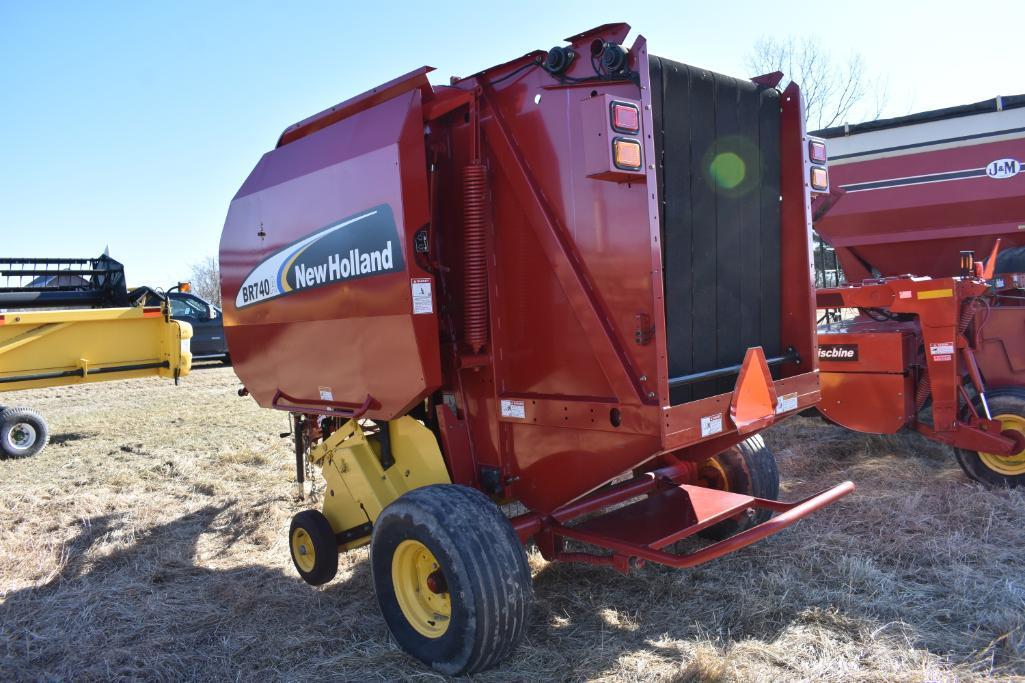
(360, 246)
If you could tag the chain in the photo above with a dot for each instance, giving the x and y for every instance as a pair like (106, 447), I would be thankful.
(310, 469)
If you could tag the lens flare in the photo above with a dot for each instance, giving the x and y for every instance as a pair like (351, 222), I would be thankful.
(728, 170)
(732, 166)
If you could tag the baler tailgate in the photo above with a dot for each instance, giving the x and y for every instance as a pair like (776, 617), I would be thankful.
(641, 530)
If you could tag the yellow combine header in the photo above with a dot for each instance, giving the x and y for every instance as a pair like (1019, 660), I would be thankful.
(121, 338)
(55, 348)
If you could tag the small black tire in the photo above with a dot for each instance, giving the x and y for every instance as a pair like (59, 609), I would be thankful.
(1006, 404)
(23, 433)
(481, 578)
(750, 469)
(313, 547)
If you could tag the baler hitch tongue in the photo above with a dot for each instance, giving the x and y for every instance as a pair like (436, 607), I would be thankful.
(698, 508)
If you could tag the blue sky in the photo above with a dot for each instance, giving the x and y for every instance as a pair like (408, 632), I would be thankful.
(133, 124)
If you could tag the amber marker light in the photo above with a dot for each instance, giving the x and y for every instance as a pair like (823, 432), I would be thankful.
(819, 179)
(627, 154)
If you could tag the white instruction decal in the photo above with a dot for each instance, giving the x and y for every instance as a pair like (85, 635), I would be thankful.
(784, 404)
(946, 348)
(326, 394)
(514, 409)
(711, 425)
(423, 299)
(904, 294)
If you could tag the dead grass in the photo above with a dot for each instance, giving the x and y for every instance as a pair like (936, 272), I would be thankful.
(149, 542)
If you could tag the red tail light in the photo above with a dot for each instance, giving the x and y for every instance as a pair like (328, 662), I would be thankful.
(817, 151)
(626, 118)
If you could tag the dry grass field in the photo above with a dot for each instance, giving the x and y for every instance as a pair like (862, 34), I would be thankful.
(149, 542)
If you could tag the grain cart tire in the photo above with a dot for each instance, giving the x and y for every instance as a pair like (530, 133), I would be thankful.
(451, 578)
(748, 468)
(23, 432)
(1008, 406)
(313, 547)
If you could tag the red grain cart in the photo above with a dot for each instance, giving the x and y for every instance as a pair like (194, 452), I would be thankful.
(943, 354)
(559, 282)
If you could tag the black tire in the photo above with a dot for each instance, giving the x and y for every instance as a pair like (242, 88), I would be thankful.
(484, 570)
(1011, 261)
(23, 433)
(310, 534)
(750, 468)
(1005, 401)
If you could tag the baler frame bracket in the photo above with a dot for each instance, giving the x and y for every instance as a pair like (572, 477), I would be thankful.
(310, 406)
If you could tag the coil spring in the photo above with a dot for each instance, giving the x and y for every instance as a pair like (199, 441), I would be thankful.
(475, 264)
(923, 389)
(967, 313)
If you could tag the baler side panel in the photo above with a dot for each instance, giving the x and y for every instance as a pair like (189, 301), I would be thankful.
(373, 162)
(524, 279)
(584, 230)
(572, 285)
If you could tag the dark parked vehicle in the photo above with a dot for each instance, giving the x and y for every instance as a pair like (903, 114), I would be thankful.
(207, 324)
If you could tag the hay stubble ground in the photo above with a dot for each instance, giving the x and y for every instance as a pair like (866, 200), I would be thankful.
(149, 541)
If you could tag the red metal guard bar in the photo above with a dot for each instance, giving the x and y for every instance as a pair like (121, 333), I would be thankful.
(791, 513)
(531, 524)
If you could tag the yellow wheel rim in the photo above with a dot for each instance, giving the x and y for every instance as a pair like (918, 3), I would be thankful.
(1007, 465)
(302, 550)
(714, 464)
(420, 589)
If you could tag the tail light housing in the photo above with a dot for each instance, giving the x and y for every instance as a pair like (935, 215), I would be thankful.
(818, 174)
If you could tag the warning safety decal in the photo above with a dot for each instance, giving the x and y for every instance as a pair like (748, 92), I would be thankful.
(941, 351)
(423, 299)
(711, 424)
